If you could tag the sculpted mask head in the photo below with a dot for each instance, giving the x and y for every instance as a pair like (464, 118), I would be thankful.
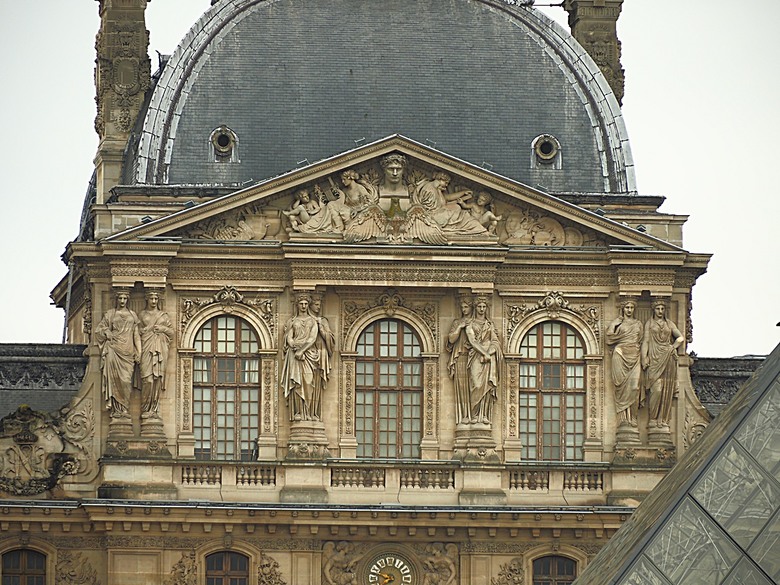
(152, 298)
(443, 178)
(659, 308)
(302, 302)
(349, 176)
(316, 304)
(628, 307)
(122, 297)
(393, 166)
(481, 305)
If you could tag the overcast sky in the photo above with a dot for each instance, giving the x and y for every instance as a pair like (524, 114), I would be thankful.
(702, 108)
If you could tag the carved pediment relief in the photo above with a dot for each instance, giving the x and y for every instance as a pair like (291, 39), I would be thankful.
(393, 192)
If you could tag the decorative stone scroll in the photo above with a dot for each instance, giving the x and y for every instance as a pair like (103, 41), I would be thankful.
(554, 304)
(511, 573)
(268, 572)
(390, 301)
(73, 569)
(35, 453)
(184, 572)
(340, 560)
(227, 297)
(440, 562)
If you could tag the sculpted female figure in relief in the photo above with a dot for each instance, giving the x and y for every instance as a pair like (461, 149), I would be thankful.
(120, 350)
(474, 362)
(659, 360)
(624, 335)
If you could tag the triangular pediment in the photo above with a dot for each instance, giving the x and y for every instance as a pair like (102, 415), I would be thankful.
(394, 191)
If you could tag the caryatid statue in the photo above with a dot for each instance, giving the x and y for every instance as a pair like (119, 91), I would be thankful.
(303, 376)
(119, 340)
(624, 336)
(326, 341)
(475, 362)
(156, 335)
(659, 360)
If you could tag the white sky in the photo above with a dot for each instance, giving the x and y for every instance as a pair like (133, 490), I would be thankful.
(702, 108)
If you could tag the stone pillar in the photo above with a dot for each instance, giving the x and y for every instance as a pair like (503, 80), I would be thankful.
(594, 24)
(122, 77)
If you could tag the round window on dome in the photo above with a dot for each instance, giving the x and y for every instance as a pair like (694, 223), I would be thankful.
(224, 143)
(546, 148)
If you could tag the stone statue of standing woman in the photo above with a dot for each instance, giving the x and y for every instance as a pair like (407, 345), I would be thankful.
(119, 340)
(659, 360)
(156, 333)
(304, 371)
(624, 335)
(474, 362)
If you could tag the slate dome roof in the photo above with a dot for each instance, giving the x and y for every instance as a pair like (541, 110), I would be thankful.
(302, 80)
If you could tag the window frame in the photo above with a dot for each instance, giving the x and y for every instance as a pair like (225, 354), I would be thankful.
(234, 400)
(24, 574)
(554, 578)
(552, 393)
(227, 576)
(376, 394)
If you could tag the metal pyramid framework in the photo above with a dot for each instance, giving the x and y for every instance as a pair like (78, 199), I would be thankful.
(715, 519)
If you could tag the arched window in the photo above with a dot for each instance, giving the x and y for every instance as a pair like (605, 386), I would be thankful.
(552, 393)
(24, 567)
(388, 391)
(554, 570)
(227, 568)
(226, 390)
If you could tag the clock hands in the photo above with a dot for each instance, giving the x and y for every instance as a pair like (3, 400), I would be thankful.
(387, 578)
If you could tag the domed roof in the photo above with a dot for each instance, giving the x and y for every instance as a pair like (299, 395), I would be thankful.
(295, 81)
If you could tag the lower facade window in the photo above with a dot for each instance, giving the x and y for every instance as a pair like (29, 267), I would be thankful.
(554, 570)
(551, 401)
(24, 567)
(388, 391)
(227, 568)
(225, 390)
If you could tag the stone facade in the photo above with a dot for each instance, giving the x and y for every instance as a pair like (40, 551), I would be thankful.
(391, 365)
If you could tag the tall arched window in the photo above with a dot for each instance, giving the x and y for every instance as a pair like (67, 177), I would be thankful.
(227, 568)
(554, 570)
(552, 393)
(24, 567)
(226, 390)
(388, 391)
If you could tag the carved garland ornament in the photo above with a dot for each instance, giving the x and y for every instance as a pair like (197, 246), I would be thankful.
(228, 297)
(554, 304)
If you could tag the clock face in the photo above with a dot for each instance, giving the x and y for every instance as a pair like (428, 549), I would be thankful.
(390, 569)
